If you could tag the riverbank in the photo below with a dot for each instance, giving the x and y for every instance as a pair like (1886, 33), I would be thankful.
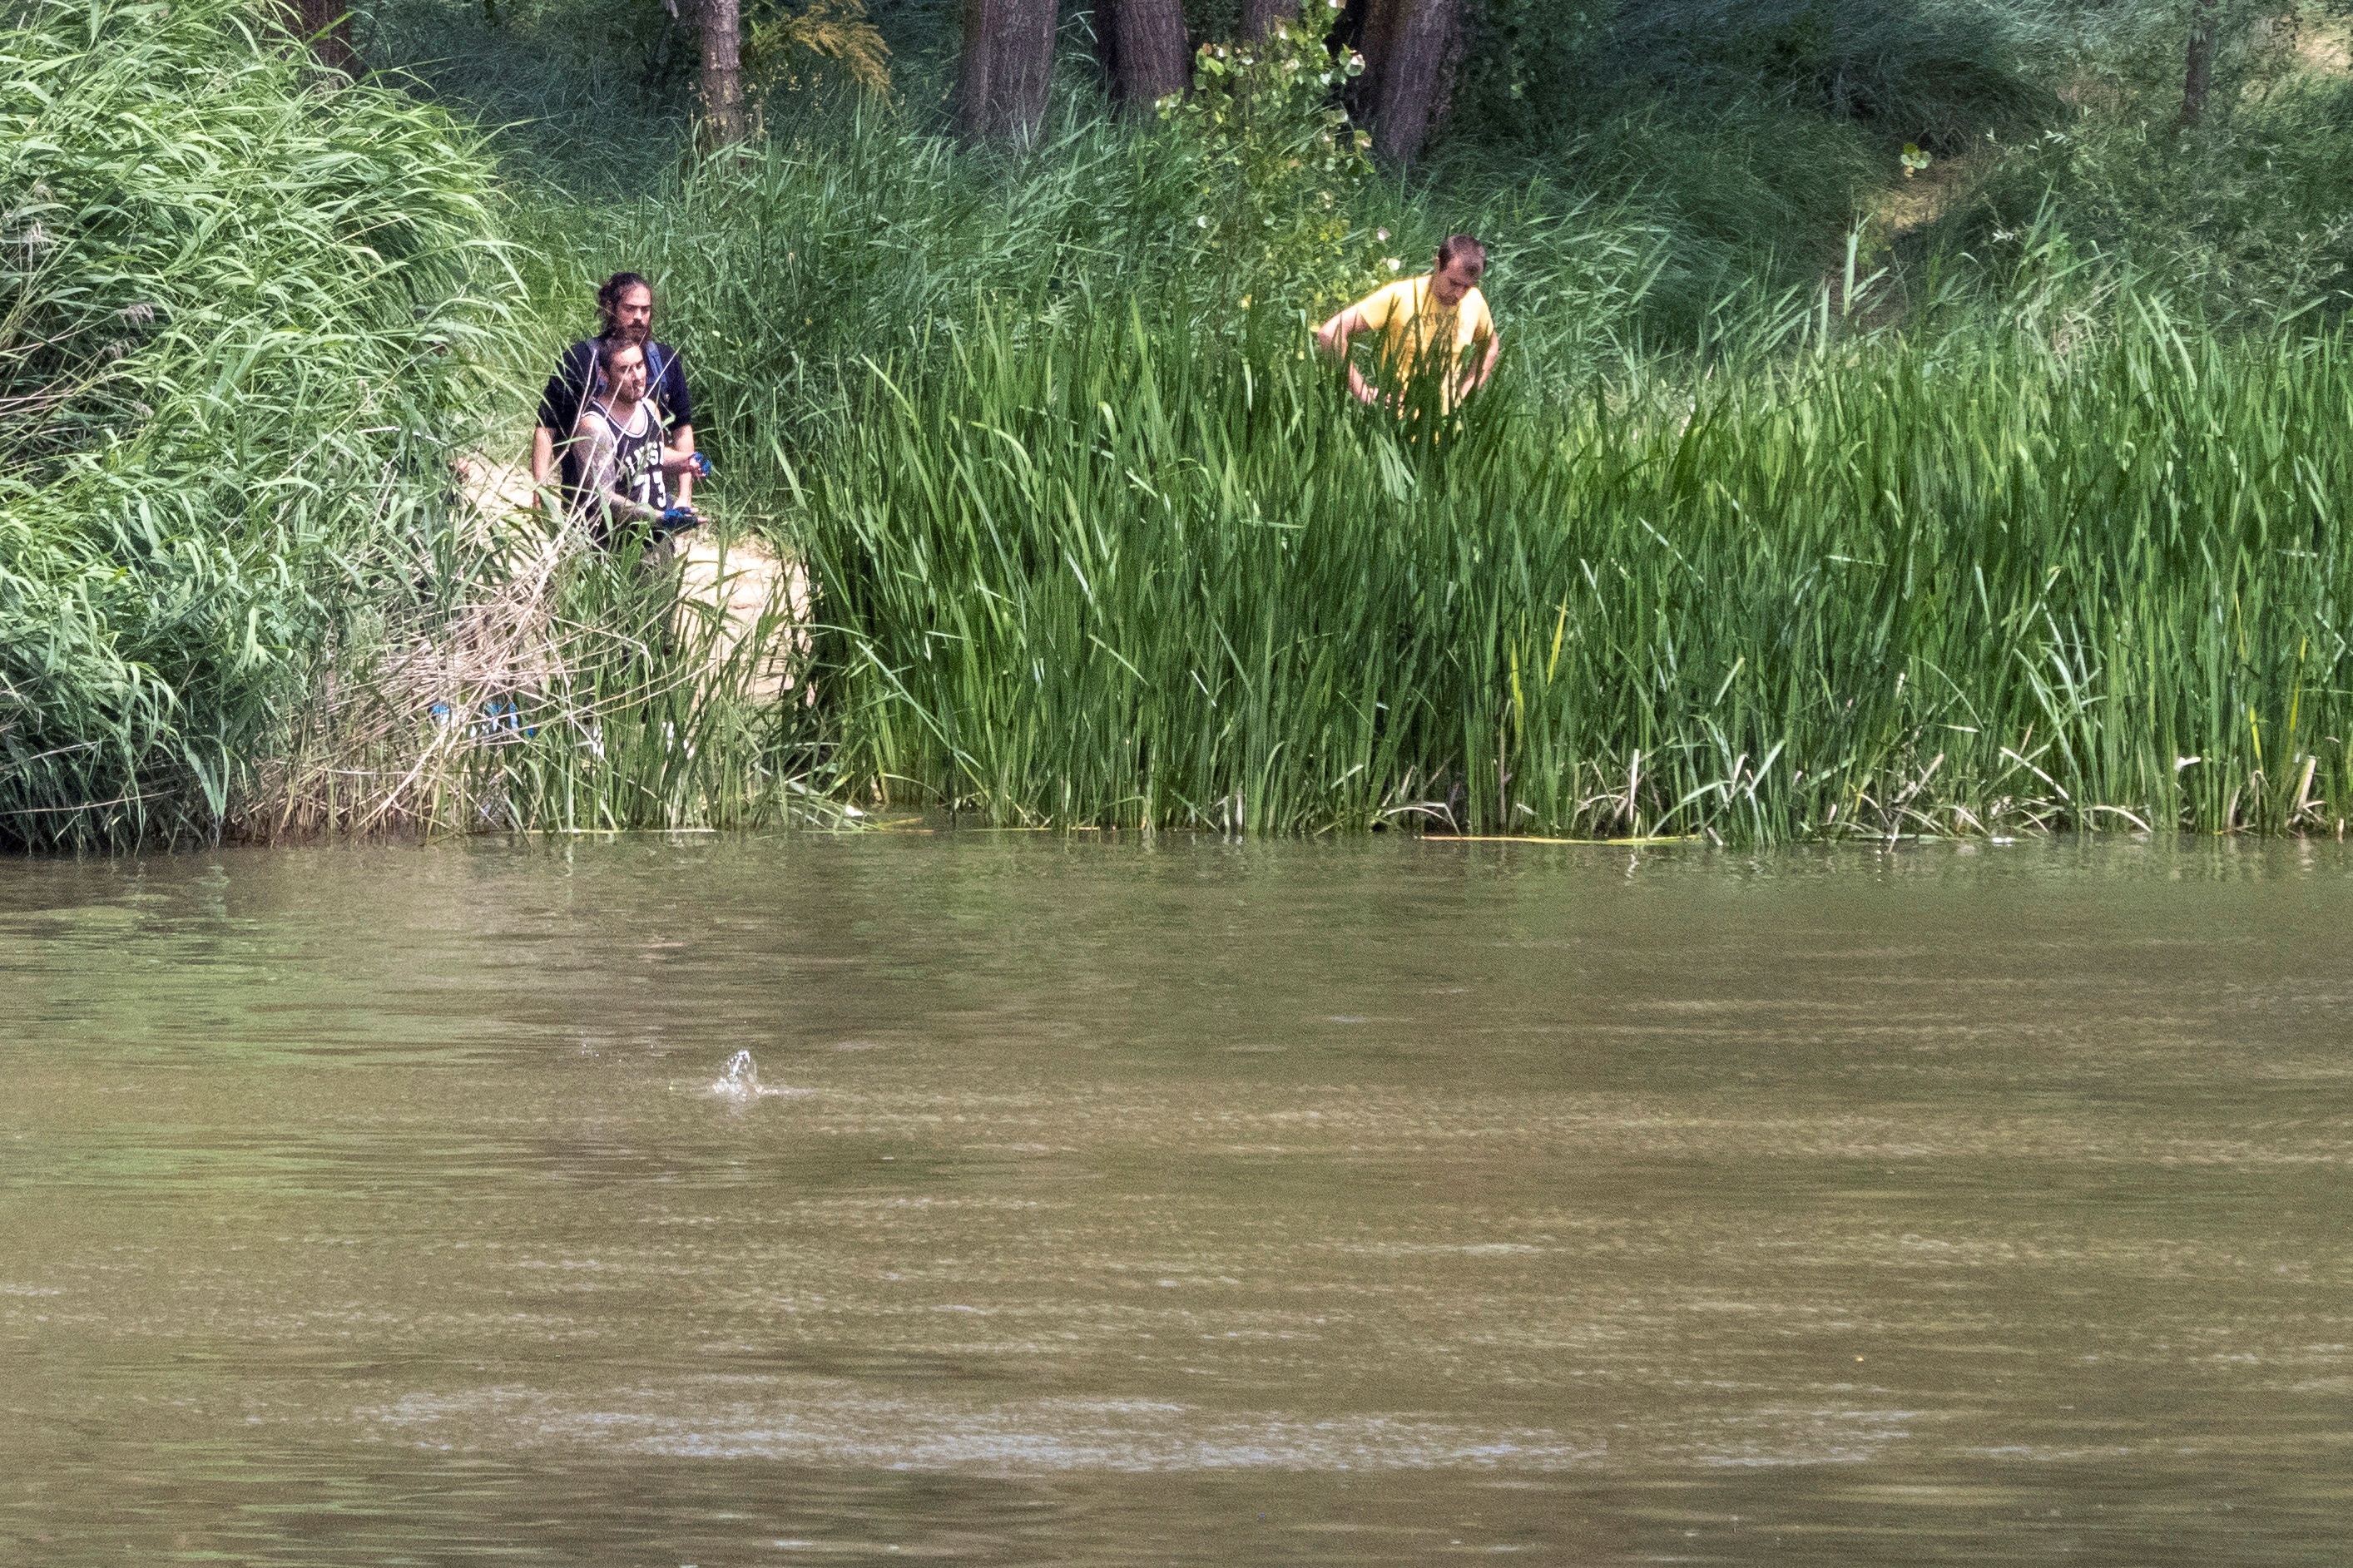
(1991, 533)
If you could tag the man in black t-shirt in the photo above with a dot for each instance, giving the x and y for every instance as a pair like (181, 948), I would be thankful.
(625, 304)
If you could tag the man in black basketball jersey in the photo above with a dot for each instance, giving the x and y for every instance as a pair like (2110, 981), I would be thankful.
(626, 306)
(626, 465)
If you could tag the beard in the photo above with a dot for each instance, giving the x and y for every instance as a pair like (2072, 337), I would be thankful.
(638, 334)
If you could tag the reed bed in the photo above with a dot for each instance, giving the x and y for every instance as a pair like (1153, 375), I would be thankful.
(1992, 579)
(549, 685)
(1990, 542)
(244, 312)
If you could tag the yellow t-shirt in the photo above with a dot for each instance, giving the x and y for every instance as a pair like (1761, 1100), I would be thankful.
(1410, 321)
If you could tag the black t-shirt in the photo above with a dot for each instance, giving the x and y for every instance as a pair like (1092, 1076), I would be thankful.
(576, 379)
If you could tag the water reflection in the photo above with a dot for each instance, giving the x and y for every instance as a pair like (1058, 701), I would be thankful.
(1176, 1201)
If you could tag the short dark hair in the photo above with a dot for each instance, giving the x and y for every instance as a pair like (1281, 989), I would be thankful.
(609, 292)
(1457, 248)
(610, 349)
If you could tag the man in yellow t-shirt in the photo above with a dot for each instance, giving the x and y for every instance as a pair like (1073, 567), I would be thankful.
(1436, 326)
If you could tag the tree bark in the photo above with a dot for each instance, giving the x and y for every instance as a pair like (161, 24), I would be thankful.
(720, 24)
(1149, 60)
(1007, 68)
(326, 25)
(1259, 16)
(1410, 49)
(2198, 70)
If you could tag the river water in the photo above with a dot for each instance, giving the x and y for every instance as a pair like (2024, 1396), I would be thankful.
(1110, 1202)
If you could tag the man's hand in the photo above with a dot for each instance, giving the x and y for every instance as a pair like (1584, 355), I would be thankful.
(1478, 378)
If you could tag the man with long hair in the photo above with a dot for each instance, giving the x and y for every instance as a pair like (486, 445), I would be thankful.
(1435, 332)
(625, 305)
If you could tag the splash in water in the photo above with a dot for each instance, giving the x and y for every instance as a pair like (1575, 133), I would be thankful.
(740, 1080)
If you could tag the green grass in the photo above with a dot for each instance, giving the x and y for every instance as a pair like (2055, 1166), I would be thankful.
(241, 317)
(537, 689)
(1958, 584)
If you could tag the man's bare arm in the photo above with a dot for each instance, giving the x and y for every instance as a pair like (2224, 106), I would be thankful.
(1486, 364)
(621, 505)
(543, 456)
(1333, 336)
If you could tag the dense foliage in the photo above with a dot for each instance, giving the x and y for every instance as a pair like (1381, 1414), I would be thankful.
(1947, 585)
(1907, 423)
(240, 302)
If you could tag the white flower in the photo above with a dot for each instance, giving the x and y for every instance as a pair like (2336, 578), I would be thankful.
(1380, 234)
(1393, 264)
(1202, 221)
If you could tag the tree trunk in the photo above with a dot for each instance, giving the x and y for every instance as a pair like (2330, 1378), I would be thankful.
(720, 24)
(2197, 72)
(326, 25)
(1410, 49)
(1148, 57)
(1008, 59)
(1259, 16)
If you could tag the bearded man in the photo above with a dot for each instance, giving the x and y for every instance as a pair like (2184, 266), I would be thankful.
(625, 305)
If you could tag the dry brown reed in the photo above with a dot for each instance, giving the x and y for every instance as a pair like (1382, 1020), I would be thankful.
(539, 650)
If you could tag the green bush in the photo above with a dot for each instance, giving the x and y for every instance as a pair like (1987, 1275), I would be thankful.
(1278, 171)
(242, 300)
(591, 96)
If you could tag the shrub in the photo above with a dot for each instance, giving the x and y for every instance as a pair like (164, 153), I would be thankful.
(244, 303)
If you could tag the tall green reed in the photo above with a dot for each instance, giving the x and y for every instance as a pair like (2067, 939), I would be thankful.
(242, 310)
(1133, 576)
(1095, 541)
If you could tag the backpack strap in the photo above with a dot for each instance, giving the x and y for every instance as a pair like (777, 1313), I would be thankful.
(656, 366)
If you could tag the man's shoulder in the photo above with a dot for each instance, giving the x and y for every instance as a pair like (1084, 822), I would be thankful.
(1387, 298)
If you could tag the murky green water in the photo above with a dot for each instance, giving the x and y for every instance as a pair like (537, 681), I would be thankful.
(1189, 1204)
